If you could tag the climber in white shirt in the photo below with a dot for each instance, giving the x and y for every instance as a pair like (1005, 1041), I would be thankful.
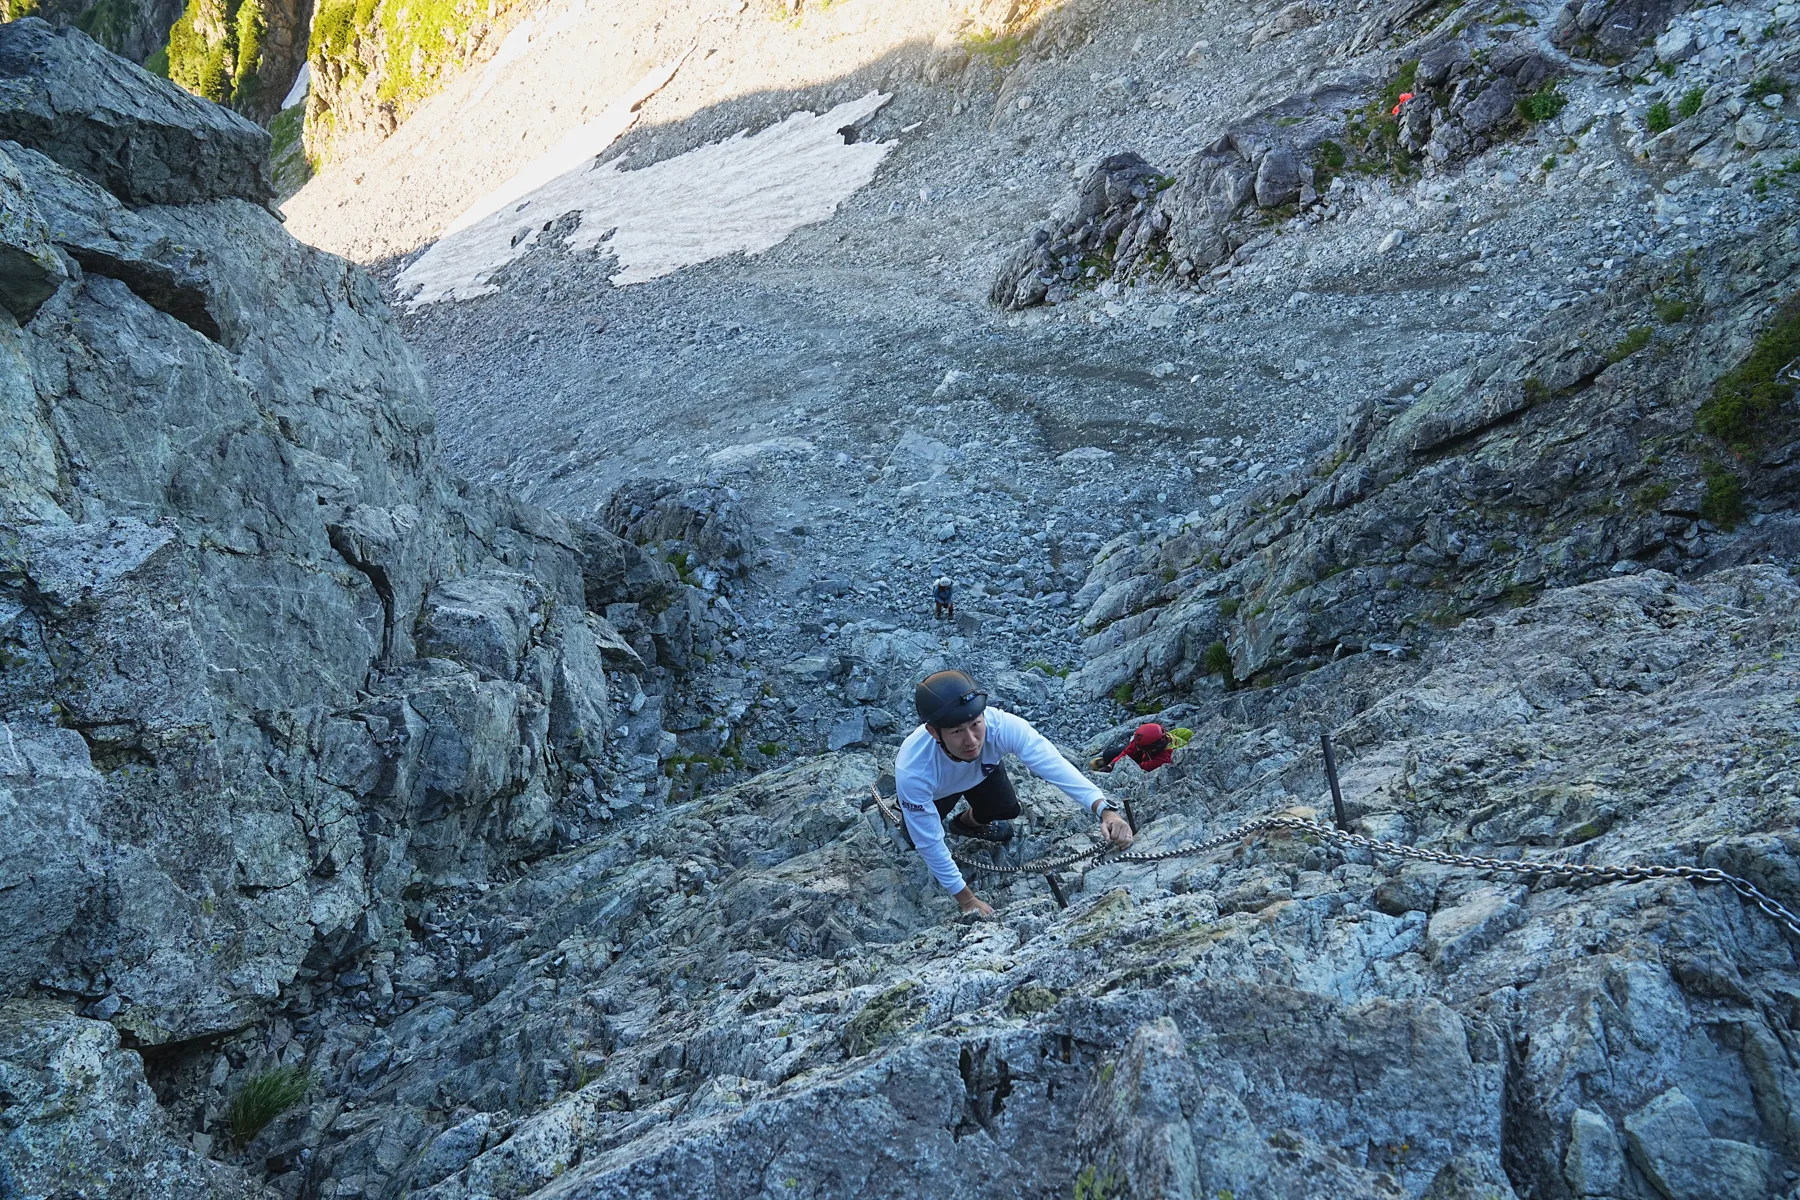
(955, 754)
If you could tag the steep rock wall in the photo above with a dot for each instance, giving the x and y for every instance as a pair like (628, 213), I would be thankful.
(267, 665)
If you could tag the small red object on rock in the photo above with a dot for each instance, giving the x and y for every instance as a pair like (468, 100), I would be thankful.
(1404, 97)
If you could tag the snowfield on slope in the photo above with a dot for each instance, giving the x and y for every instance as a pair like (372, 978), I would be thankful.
(746, 193)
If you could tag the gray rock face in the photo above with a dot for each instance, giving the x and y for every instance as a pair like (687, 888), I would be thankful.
(1492, 107)
(1669, 1142)
(30, 271)
(266, 664)
(136, 33)
(137, 135)
(81, 1120)
(1593, 1164)
(1132, 220)
(766, 982)
(1611, 31)
(676, 520)
(1278, 178)
(1520, 471)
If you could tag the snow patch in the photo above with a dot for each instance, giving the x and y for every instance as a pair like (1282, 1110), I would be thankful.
(302, 85)
(746, 193)
(737, 456)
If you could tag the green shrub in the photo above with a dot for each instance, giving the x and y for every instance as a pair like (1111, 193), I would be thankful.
(1328, 159)
(1635, 339)
(1748, 396)
(1658, 118)
(1723, 501)
(1768, 84)
(1691, 101)
(1651, 495)
(334, 29)
(1001, 49)
(1542, 104)
(263, 1098)
(769, 749)
(1092, 1183)
(223, 71)
(1402, 83)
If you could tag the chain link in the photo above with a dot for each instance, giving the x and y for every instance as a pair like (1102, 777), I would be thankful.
(1301, 826)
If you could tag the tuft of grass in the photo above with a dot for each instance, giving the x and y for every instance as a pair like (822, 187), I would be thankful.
(1768, 84)
(1094, 1183)
(1001, 49)
(1402, 83)
(769, 749)
(1228, 607)
(1328, 160)
(1723, 501)
(1673, 310)
(1748, 396)
(1658, 118)
(1690, 103)
(1123, 694)
(1542, 104)
(1635, 339)
(263, 1098)
(1651, 495)
(1218, 662)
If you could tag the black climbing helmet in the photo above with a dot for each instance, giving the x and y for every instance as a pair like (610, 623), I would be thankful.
(948, 699)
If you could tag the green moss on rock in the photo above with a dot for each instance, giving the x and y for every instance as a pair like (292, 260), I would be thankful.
(887, 1014)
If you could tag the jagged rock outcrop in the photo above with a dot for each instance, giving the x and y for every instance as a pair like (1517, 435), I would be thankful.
(1447, 100)
(64, 1076)
(704, 528)
(270, 674)
(1584, 454)
(138, 136)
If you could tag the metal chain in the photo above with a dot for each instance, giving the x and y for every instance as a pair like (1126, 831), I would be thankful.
(1301, 826)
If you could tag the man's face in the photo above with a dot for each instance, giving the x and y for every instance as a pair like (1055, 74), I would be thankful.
(963, 742)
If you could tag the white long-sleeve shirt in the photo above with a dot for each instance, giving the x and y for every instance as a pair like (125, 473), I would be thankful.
(924, 774)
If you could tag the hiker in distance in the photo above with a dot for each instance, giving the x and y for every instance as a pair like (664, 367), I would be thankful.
(955, 754)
